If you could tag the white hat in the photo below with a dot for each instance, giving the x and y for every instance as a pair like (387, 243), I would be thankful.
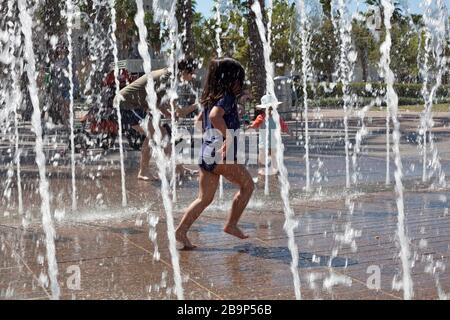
(268, 101)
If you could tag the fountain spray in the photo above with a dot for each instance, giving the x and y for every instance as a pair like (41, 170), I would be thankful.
(267, 121)
(16, 103)
(157, 146)
(436, 21)
(290, 222)
(347, 58)
(392, 102)
(218, 29)
(219, 52)
(342, 21)
(112, 4)
(69, 15)
(16, 68)
(175, 53)
(47, 221)
(306, 63)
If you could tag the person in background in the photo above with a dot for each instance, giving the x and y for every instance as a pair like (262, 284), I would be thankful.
(260, 123)
(136, 111)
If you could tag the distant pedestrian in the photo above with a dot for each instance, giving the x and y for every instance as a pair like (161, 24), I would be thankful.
(267, 141)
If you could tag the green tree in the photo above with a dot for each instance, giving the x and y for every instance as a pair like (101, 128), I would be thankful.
(283, 16)
(185, 17)
(405, 49)
(126, 28)
(324, 49)
(366, 47)
(203, 33)
(326, 8)
(257, 72)
(398, 13)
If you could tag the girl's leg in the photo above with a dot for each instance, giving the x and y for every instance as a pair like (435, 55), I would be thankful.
(145, 160)
(237, 174)
(145, 155)
(274, 163)
(262, 160)
(145, 152)
(208, 183)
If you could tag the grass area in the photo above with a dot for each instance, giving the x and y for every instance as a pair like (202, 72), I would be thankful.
(443, 107)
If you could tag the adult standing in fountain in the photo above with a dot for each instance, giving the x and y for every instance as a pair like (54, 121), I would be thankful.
(135, 109)
(224, 84)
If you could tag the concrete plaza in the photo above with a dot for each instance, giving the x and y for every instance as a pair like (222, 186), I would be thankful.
(123, 253)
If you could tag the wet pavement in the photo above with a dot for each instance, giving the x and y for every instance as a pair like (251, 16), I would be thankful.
(346, 238)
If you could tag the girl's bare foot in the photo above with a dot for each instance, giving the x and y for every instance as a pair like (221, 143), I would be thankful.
(144, 177)
(274, 172)
(183, 172)
(181, 236)
(190, 172)
(235, 231)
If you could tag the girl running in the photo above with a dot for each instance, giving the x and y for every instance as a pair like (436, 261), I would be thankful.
(224, 83)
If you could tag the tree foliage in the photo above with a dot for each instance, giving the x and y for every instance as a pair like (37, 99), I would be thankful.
(239, 37)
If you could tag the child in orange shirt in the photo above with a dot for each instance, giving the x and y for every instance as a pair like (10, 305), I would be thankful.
(260, 123)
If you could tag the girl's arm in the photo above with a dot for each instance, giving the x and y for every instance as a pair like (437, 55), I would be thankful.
(198, 122)
(164, 109)
(183, 112)
(284, 126)
(257, 123)
(216, 117)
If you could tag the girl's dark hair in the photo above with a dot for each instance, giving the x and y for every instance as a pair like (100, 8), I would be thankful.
(222, 75)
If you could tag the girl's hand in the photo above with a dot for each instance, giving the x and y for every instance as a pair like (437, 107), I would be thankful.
(225, 147)
(223, 150)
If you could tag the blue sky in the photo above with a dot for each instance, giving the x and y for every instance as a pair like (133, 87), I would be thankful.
(205, 6)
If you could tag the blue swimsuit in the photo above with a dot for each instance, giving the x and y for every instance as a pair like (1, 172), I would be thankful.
(213, 141)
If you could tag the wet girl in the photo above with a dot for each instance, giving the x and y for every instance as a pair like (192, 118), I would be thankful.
(224, 83)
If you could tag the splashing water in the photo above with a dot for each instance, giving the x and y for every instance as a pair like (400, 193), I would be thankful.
(175, 53)
(434, 31)
(306, 67)
(343, 27)
(47, 222)
(112, 4)
(290, 222)
(97, 56)
(219, 53)
(18, 96)
(267, 119)
(70, 17)
(436, 21)
(218, 29)
(360, 134)
(165, 12)
(16, 68)
(392, 102)
(342, 21)
(161, 160)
